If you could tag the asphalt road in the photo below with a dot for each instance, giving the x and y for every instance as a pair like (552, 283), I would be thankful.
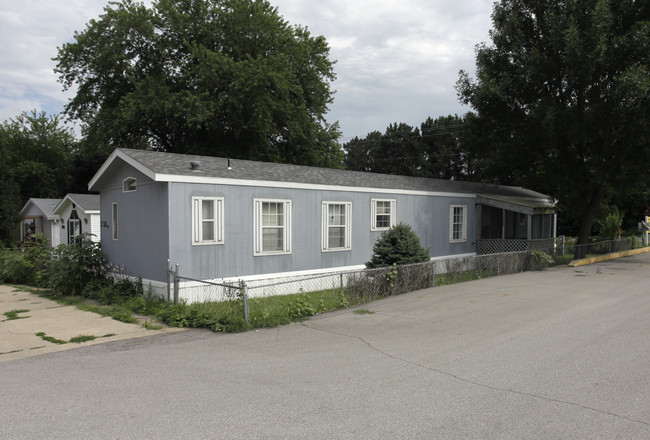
(559, 354)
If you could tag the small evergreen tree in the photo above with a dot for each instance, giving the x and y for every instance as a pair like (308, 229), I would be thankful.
(397, 245)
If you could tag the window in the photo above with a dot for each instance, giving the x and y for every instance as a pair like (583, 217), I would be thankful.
(336, 226)
(207, 220)
(74, 227)
(272, 227)
(129, 184)
(382, 214)
(458, 223)
(115, 221)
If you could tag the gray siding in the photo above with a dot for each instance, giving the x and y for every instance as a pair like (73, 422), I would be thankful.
(428, 215)
(143, 216)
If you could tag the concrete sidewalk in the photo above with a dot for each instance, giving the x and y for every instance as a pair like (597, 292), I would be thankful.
(18, 337)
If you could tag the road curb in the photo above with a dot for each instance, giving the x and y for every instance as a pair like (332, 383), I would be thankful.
(606, 257)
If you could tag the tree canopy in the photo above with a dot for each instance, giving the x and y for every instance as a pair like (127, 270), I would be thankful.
(35, 157)
(562, 97)
(214, 77)
(435, 149)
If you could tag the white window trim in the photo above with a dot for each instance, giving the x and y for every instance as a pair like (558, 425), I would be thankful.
(135, 181)
(373, 214)
(257, 227)
(463, 237)
(325, 227)
(114, 218)
(197, 221)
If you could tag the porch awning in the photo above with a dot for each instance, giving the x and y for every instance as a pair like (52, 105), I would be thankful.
(520, 204)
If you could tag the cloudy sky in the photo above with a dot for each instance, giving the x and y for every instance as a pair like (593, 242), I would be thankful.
(397, 61)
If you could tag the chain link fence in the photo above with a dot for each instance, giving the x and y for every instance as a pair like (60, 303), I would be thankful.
(339, 289)
(357, 285)
(568, 247)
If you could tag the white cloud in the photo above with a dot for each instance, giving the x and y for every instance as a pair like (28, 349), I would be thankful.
(396, 61)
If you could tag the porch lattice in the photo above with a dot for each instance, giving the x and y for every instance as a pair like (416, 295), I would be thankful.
(499, 246)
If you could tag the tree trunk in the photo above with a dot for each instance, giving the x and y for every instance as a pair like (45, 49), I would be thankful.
(587, 222)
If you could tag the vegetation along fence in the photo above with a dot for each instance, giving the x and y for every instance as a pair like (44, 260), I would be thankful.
(322, 292)
(340, 289)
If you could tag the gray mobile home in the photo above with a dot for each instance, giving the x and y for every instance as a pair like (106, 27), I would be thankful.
(220, 218)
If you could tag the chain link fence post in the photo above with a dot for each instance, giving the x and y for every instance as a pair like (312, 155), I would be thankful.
(169, 283)
(176, 284)
(244, 294)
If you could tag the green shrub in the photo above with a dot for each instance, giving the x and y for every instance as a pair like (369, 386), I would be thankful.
(610, 225)
(397, 245)
(108, 290)
(77, 265)
(231, 324)
(27, 265)
(540, 260)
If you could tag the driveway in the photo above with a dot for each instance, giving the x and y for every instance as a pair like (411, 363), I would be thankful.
(559, 354)
(57, 324)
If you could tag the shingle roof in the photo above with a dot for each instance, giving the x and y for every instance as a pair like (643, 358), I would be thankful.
(88, 202)
(169, 166)
(45, 205)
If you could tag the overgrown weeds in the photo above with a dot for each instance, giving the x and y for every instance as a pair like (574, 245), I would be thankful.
(79, 275)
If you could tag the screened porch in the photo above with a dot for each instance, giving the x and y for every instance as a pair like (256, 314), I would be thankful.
(512, 224)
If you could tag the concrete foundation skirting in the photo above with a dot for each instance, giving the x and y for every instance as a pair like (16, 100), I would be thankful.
(612, 256)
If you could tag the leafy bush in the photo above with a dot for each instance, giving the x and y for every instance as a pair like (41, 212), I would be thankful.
(397, 245)
(76, 266)
(610, 225)
(231, 324)
(28, 265)
(540, 260)
(109, 290)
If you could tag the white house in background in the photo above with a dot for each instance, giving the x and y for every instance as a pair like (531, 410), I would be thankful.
(38, 216)
(78, 214)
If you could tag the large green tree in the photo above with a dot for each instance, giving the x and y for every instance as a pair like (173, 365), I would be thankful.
(444, 148)
(562, 97)
(35, 158)
(435, 150)
(216, 77)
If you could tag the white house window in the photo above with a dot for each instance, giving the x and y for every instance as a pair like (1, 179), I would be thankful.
(207, 220)
(129, 184)
(336, 226)
(382, 214)
(458, 223)
(74, 227)
(272, 227)
(114, 221)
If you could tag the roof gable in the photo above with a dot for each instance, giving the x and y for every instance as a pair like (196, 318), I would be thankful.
(46, 206)
(88, 203)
